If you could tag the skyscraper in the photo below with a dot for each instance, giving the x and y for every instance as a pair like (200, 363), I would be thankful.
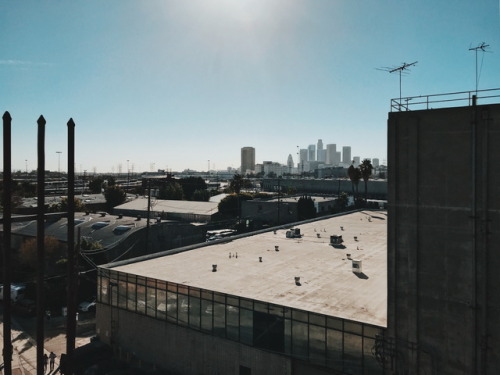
(346, 155)
(319, 150)
(331, 149)
(247, 159)
(311, 153)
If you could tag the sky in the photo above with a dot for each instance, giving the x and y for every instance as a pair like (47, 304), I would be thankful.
(177, 84)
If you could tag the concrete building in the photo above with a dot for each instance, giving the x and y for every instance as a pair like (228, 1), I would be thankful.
(376, 162)
(247, 160)
(311, 153)
(346, 155)
(331, 150)
(357, 161)
(320, 151)
(190, 211)
(443, 241)
(284, 301)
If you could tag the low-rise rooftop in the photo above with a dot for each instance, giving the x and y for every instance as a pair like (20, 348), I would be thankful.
(252, 267)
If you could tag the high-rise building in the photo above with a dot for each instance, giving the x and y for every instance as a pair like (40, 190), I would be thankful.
(375, 162)
(302, 159)
(289, 163)
(311, 153)
(357, 160)
(322, 156)
(247, 159)
(331, 149)
(346, 155)
(319, 150)
(337, 161)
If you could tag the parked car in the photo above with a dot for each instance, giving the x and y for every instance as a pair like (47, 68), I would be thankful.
(87, 306)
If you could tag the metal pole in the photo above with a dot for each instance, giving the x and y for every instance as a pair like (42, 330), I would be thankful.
(7, 224)
(149, 211)
(72, 276)
(40, 236)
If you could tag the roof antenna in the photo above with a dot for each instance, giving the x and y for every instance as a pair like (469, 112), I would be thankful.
(401, 68)
(482, 46)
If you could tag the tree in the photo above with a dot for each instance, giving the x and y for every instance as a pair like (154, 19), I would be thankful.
(354, 175)
(201, 195)
(366, 169)
(95, 185)
(305, 208)
(191, 184)
(342, 201)
(171, 191)
(229, 205)
(114, 196)
(237, 183)
(53, 252)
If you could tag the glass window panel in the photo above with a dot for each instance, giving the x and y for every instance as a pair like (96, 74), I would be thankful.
(317, 319)
(288, 313)
(353, 327)
(141, 280)
(276, 310)
(172, 287)
(288, 336)
(194, 312)
(219, 319)
(246, 303)
(161, 304)
(151, 283)
(246, 326)
(104, 285)
(195, 292)
(182, 289)
(232, 301)
(353, 354)
(141, 299)
(299, 315)
(113, 285)
(371, 331)
(233, 324)
(207, 295)
(160, 284)
(334, 344)
(219, 298)
(260, 306)
(122, 276)
(317, 344)
(131, 297)
(371, 366)
(335, 323)
(207, 314)
(182, 309)
(122, 294)
(172, 307)
(299, 340)
(151, 300)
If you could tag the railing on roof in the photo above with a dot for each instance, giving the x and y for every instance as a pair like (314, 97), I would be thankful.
(464, 98)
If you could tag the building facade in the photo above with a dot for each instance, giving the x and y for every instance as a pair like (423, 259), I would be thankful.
(346, 155)
(247, 160)
(443, 241)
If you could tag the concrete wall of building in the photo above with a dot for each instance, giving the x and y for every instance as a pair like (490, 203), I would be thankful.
(443, 241)
(182, 350)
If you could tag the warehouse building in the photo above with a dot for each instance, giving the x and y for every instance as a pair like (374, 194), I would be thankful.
(311, 299)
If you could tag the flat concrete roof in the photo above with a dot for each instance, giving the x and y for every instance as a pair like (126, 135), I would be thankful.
(159, 205)
(327, 284)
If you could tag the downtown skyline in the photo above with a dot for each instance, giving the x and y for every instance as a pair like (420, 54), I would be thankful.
(181, 85)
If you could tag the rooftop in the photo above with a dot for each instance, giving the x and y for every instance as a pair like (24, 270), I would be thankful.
(327, 284)
(159, 205)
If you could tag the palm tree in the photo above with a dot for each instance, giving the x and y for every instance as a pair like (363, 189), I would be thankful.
(366, 169)
(354, 175)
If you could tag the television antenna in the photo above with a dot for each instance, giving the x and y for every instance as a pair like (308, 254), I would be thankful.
(481, 47)
(401, 69)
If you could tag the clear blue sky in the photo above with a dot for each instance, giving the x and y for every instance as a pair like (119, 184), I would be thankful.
(178, 83)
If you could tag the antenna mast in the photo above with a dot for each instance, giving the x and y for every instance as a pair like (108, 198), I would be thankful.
(480, 47)
(400, 69)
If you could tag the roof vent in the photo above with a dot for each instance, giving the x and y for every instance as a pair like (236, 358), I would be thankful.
(355, 238)
(336, 240)
(103, 214)
(318, 235)
(120, 216)
(214, 267)
(348, 256)
(276, 248)
(260, 259)
(297, 281)
(356, 266)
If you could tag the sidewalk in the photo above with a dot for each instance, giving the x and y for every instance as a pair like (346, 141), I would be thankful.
(24, 346)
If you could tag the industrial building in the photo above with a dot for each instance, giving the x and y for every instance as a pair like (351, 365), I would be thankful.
(307, 299)
(444, 237)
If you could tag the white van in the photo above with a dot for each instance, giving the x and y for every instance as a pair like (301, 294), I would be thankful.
(16, 292)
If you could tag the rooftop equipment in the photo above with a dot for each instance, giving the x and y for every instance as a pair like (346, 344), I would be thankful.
(357, 266)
